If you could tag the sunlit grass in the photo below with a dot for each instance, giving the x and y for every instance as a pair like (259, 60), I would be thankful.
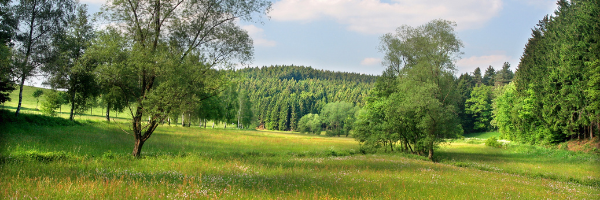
(483, 135)
(92, 161)
(527, 160)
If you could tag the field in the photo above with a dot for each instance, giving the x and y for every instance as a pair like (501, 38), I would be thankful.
(91, 160)
(44, 157)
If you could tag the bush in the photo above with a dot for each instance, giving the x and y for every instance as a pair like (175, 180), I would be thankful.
(493, 142)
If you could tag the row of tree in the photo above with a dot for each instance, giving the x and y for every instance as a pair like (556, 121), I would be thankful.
(155, 58)
(476, 96)
(556, 93)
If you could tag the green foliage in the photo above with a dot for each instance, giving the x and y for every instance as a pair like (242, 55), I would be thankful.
(493, 142)
(37, 94)
(68, 68)
(51, 102)
(38, 24)
(414, 102)
(6, 84)
(480, 107)
(281, 95)
(553, 98)
(489, 76)
(171, 67)
(338, 118)
(310, 123)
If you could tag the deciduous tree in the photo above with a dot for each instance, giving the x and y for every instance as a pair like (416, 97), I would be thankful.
(174, 45)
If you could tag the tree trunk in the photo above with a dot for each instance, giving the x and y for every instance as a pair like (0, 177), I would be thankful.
(430, 151)
(189, 120)
(108, 112)
(204, 123)
(71, 117)
(20, 94)
(182, 121)
(137, 149)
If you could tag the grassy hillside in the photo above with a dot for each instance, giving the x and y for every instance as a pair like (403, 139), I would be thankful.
(91, 160)
(29, 106)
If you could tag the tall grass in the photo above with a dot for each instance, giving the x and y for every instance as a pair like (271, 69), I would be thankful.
(91, 160)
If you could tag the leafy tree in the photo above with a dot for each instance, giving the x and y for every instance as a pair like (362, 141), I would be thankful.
(109, 52)
(480, 106)
(174, 45)
(68, 67)
(420, 110)
(37, 94)
(6, 84)
(51, 102)
(466, 83)
(310, 123)
(8, 25)
(338, 117)
(245, 114)
(230, 103)
(39, 21)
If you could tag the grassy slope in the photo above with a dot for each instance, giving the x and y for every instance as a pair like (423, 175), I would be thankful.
(207, 163)
(29, 106)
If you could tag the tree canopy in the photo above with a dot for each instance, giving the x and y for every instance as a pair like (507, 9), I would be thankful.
(414, 102)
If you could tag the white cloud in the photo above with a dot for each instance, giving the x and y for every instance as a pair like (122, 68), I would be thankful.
(370, 61)
(376, 17)
(467, 65)
(258, 35)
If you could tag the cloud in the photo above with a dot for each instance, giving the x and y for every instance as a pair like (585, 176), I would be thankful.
(376, 17)
(469, 64)
(370, 61)
(258, 35)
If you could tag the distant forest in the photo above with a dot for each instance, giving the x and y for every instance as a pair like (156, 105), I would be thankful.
(281, 95)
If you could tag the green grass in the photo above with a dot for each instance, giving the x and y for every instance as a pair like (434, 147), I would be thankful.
(90, 160)
(28, 106)
(483, 135)
(525, 160)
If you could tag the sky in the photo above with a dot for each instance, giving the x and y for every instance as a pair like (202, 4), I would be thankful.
(344, 35)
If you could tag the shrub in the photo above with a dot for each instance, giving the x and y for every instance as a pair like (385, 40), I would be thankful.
(493, 142)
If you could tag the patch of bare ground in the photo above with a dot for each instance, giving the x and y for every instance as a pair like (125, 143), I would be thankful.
(583, 145)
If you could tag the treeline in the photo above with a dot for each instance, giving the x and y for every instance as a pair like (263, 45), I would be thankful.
(281, 95)
(476, 93)
(556, 93)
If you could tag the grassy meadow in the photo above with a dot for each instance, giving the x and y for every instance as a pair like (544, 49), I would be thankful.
(48, 158)
(91, 160)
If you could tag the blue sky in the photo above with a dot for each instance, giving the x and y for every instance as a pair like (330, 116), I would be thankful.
(343, 35)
